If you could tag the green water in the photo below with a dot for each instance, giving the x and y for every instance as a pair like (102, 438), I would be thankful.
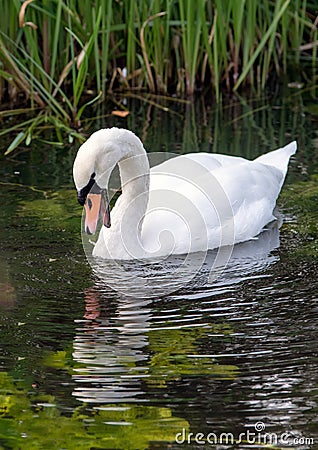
(84, 367)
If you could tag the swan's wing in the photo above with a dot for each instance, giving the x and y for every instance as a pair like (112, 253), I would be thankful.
(197, 204)
(252, 189)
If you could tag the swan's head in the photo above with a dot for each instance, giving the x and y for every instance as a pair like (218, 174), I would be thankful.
(94, 162)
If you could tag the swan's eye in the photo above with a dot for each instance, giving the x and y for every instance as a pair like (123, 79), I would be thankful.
(89, 203)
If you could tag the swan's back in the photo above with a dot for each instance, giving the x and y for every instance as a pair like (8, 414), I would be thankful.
(277, 158)
(213, 192)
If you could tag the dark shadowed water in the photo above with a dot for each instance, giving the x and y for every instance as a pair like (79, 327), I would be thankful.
(232, 359)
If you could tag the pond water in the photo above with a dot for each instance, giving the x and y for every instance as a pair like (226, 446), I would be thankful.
(85, 366)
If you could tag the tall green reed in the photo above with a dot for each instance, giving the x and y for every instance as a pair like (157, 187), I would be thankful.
(191, 30)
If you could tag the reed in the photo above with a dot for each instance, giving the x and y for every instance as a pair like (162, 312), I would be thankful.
(62, 55)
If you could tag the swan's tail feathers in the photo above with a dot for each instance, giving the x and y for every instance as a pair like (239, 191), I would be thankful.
(279, 158)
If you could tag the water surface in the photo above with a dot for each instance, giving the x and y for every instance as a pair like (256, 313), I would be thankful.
(85, 366)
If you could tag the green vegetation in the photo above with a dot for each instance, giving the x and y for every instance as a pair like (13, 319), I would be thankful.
(32, 420)
(301, 199)
(59, 56)
(56, 212)
(170, 358)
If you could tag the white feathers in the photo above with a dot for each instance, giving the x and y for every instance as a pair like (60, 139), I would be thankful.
(189, 203)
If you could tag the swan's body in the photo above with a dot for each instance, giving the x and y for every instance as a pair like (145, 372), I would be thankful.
(189, 203)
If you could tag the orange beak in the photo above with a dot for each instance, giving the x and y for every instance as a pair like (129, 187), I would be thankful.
(96, 206)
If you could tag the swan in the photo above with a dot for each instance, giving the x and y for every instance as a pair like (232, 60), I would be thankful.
(189, 203)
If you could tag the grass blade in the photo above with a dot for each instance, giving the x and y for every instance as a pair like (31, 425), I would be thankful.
(261, 45)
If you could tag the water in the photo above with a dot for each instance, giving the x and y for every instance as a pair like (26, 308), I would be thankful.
(85, 366)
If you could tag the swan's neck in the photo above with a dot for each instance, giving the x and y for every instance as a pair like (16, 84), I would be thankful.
(128, 213)
(134, 176)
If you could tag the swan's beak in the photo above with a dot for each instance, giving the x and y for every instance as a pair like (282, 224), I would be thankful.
(96, 206)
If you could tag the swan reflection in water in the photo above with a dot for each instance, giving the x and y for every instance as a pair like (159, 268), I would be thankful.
(111, 341)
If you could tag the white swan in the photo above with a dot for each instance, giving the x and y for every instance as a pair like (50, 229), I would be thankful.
(189, 203)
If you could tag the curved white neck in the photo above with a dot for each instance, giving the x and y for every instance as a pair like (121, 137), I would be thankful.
(128, 213)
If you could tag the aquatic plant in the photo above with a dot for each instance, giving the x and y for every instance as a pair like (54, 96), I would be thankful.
(31, 419)
(59, 56)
